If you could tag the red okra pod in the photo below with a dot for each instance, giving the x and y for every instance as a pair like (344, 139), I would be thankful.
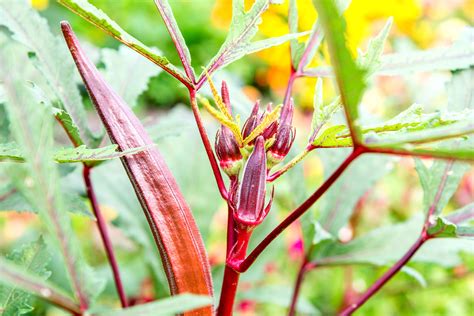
(170, 218)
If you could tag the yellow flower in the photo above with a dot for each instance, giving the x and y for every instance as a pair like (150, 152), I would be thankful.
(39, 4)
(415, 19)
(361, 15)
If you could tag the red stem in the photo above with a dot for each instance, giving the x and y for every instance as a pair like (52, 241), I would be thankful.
(299, 282)
(102, 226)
(386, 277)
(424, 236)
(176, 36)
(315, 38)
(243, 265)
(289, 86)
(231, 231)
(403, 152)
(231, 276)
(207, 145)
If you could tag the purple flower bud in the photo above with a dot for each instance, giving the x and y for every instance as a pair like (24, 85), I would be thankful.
(286, 115)
(271, 129)
(250, 209)
(252, 122)
(285, 135)
(228, 151)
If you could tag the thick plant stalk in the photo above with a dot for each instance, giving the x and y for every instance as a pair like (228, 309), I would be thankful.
(231, 277)
(170, 219)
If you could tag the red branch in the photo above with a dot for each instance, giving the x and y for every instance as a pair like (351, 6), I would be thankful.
(242, 266)
(424, 236)
(102, 226)
(207, 145)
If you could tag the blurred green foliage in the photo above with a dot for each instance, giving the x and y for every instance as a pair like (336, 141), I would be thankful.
(142, 20)
(266, 288)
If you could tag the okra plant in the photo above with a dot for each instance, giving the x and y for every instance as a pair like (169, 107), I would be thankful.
(254, 149)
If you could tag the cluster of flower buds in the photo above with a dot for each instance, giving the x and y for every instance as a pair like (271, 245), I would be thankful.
(269, 147)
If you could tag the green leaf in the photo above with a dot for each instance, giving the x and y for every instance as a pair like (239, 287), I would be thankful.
(337, 205)
(440, 227)
(459, 55)
(101, 20)
(90, 156)
(296, 48)
(350, 77)
(439, 182)
(31, 124)
(328, 138)
(320, 234)
(410, 126)
(413, 119)
(10, 151)
(463, 215)
(455, 224)
(413, 132)
(322, 113)
(243, 28)
(371, 59)
(14, 200)
(31, 30)
(128, 73)
(4, 124)
(69, 126)
(93, 156)
(465, 232)
(33, 258)
(387, 244)
(266, 43)
(455, 57)
(460, 89)
(280, 296)
(21, 278)
(448, 129)
(168, 306)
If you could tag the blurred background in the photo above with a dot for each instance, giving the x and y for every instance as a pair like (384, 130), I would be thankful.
(265, 289)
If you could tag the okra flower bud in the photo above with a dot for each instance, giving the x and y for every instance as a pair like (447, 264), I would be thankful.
(271, 129)
(226, 145)
(250, 209)
(252, 122)
(285, 135)
(228, 151)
